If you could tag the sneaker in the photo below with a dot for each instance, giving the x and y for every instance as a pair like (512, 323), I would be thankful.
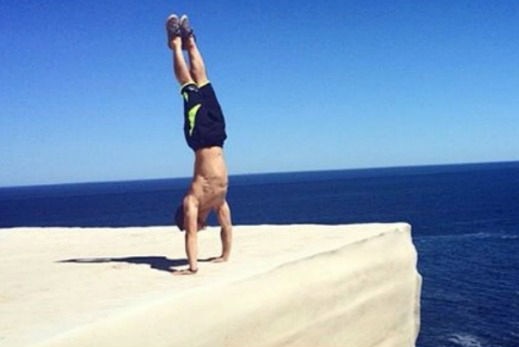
(172, 28)
(185, 27)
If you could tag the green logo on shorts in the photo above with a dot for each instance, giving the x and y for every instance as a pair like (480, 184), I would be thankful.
(191, 116)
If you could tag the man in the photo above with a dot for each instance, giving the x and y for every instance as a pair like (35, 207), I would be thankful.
(204, 130)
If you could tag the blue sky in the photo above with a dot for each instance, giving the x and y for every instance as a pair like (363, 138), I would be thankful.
(87, 92)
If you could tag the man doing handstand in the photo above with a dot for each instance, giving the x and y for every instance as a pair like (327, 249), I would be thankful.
(204, 130)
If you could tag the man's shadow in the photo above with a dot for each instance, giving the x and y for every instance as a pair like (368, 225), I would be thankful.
(154, 262)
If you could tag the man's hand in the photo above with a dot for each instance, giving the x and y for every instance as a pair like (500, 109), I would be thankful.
(185, 272)
(220, 259)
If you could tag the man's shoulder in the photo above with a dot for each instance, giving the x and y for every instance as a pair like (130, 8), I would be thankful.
(190, 199)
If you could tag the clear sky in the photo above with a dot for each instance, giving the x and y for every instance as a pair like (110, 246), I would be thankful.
(87, 92)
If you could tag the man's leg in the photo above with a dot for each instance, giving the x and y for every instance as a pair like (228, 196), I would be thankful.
(179, 63)
(197, 66)
(180, 67)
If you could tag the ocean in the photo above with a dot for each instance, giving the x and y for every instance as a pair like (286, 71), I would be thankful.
(465, 221)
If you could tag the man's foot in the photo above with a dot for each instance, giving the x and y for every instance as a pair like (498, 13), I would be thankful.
(185, 27)
(173, 28)
(185, 30)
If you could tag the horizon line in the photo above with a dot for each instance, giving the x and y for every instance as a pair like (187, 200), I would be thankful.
(129, 180)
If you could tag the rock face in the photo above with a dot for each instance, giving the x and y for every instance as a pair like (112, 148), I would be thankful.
(297, 285)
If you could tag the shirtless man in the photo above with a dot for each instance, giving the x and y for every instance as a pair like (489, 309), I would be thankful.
(204, 130)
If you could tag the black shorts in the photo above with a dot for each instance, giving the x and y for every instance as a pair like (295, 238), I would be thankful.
(204, 124)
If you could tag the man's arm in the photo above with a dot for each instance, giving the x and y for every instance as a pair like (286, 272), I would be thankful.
(191, 226)
(224, 218)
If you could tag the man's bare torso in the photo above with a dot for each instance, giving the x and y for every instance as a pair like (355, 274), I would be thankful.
(210, 181)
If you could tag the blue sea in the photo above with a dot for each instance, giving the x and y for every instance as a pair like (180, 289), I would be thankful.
(465, 221)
